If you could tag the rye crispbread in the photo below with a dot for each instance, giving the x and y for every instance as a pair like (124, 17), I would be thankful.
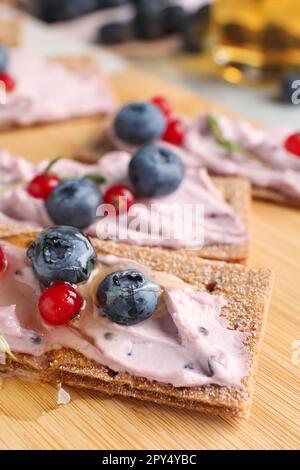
(236, 192)
(85, 63)
(96, 147)
(247, 291)
(276, 197)
(11, 25)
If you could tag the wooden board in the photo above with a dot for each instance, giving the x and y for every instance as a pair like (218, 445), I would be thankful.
(29, 416)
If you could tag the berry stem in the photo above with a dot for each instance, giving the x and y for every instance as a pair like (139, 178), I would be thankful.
(51, 164)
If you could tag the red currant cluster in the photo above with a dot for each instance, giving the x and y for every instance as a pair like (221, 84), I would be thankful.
(174, 132)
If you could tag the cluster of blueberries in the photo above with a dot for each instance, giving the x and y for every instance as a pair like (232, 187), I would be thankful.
(153, 19)
(154, 170)
(63, 255)
(63, 10)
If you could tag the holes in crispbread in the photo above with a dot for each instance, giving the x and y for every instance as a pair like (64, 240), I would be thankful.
(211, 286)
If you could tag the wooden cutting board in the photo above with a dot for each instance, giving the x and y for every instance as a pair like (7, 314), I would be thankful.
(29, 416)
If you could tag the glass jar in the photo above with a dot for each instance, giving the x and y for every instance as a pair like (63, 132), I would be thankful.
(262, 35)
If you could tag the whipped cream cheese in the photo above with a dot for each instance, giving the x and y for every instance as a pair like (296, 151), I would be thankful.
(261, 158)
(186, 344)
(221, 224)
(47, 91)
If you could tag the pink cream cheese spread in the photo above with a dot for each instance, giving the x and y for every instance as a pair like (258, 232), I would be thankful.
(261, 156)
(47, 91)
(221, 224)
(184, 343)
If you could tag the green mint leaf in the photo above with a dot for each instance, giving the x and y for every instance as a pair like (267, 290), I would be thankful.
(217, 132)
(99, 179)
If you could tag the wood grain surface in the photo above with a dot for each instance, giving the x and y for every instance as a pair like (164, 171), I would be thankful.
(29, 416)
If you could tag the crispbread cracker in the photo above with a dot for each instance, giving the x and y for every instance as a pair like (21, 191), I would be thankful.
(275, 197)
(238, 195)
(11, 23)
(247, 291)
(85, 63)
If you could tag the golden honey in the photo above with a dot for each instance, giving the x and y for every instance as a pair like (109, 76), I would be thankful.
(258, 34)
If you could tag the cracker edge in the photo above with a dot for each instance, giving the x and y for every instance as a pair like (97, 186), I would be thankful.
(275, 197)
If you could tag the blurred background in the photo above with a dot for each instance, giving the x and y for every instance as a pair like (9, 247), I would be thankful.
(245, 54)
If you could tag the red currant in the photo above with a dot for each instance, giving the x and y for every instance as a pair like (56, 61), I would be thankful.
(8, 81)
(175, 132)
(59, 303)
(163, 104)
(113, 195)
(292, 144)
(3, 261)
(41, 185)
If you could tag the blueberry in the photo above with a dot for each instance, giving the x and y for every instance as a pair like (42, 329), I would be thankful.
(62, 254)
(287, 83)
(111, 3)
(115, 33)
(149, 22)
(74, 202)
(62, 10)
(139, 123)
(155, 171)
(173, 17)
(195, 28)
(127, 297)
(3, 59)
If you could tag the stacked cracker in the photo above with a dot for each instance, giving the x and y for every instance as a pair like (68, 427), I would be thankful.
(247, 291)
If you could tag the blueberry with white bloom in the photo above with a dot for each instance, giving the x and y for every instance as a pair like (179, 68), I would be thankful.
(155, 171)
(74, 202)
(139, 123)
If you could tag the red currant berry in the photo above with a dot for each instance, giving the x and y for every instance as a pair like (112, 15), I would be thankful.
(59, 303)
(175, 132)
(3, 261)
(113, 195)
(41, 186)
(292, 144)
(163, 104)
(8, 81)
